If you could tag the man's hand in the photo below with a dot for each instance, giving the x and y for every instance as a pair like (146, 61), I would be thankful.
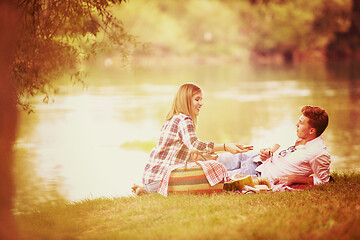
(287, 180)
(265, 153)
(262, 181)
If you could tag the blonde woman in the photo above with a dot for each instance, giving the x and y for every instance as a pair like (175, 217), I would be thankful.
(178, 139)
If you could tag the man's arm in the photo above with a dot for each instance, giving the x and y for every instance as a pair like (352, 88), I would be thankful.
(320, 167)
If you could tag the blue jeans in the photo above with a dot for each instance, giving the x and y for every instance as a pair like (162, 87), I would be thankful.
(242, 163)
(152, 187)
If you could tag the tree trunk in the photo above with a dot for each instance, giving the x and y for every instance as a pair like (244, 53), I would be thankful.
(8, 116)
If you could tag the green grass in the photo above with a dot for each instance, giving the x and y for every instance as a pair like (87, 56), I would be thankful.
(326, 212)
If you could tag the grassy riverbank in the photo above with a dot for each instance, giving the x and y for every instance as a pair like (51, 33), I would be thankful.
(326, 212)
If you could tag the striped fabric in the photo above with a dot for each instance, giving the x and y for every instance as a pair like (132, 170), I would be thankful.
(214, 171)
(192, 180)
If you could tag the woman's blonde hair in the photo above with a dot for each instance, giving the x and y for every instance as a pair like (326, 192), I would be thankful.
(183, 101)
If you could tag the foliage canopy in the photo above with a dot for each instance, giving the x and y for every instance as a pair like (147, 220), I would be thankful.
(57, 36)
(292, 28)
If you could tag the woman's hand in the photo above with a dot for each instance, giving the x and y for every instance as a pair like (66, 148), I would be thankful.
(194, 154)
(210, 156)
(236, 148)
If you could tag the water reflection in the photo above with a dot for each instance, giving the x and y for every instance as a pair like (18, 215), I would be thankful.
(79, 138)
(74, 148)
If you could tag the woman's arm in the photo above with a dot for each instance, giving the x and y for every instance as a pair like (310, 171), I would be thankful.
(188, 136)
(187, 131)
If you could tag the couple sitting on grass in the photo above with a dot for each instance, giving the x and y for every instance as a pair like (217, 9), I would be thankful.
(306, 162)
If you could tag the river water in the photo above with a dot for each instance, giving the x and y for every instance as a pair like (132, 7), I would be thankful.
(94, 142)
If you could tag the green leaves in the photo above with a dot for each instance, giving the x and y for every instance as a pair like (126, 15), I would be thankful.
(57, 37)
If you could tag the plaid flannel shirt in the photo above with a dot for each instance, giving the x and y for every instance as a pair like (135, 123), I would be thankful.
(176, 139)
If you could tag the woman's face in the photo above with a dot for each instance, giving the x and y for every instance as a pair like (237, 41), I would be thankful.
(197, 103)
